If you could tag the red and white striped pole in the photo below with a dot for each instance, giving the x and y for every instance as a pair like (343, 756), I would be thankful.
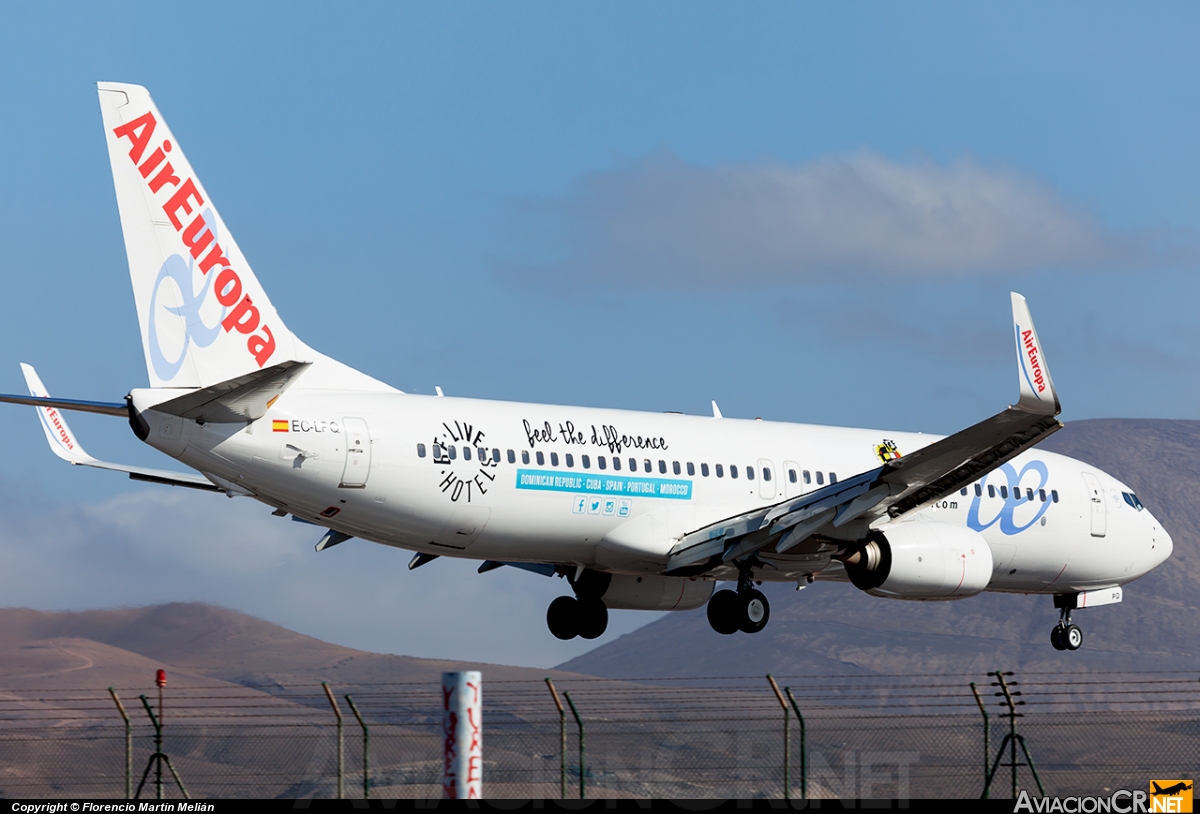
(462, 723)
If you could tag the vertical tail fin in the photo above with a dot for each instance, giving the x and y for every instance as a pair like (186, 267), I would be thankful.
(203, 314)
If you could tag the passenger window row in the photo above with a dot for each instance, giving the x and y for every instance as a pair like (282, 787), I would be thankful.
(1028, 495)
(450, 452)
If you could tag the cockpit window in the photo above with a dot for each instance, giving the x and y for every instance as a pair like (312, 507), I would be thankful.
(1132, 500)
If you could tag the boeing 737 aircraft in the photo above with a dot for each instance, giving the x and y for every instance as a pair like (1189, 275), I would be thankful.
(634, 510)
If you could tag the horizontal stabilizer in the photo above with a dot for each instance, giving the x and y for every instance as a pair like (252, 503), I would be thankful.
(64, 444)
(119, 409)
(244, 398)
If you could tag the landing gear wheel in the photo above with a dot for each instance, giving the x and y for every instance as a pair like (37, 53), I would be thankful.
(1072, 637)
(1056, 638)
(723, 612)
(755, 611)
(562, 617)
(593, 618)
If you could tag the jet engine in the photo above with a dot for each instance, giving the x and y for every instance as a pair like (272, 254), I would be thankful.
(921, 560)
(627, 592)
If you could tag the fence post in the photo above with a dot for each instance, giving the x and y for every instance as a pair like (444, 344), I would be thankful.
(562, 738)
(579, 723)
(366, 749)
(128, 745)
(787, 740)
(341, 754)
(803, 745)
(987, 744)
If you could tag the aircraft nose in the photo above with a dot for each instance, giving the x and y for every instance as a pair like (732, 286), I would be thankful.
(1161, 543)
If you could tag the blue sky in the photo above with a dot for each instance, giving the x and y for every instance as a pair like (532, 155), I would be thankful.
(809, 213)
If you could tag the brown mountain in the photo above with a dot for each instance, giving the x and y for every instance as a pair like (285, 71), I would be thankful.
(832, 629)
(196, 644)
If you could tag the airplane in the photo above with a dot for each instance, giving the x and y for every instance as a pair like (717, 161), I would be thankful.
(634, 510)
(1170, 791)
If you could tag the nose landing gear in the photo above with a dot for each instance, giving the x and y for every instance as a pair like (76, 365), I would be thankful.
(746, 610)
(1065, 635)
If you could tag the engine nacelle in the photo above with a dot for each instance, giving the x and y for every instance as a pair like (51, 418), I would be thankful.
(922, 560)
(627, 592)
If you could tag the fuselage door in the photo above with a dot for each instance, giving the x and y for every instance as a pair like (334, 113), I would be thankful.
(1096, 497)
(358, 453)
(766, 479)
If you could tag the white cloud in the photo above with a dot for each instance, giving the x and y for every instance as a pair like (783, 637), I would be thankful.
(161, 544)
(660, 220)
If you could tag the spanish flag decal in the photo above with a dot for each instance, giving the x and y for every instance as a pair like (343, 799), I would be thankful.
(279, 425)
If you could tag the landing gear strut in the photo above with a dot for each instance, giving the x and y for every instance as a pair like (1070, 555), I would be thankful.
(1065, 636)
(585, 614)
(746, 609)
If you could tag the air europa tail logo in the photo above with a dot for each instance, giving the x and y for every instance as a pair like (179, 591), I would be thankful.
(241, 313)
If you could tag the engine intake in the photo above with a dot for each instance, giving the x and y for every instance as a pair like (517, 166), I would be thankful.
(920, 559)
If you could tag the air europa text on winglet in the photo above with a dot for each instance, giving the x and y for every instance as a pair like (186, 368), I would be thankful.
(196, 236)
(1031, 351)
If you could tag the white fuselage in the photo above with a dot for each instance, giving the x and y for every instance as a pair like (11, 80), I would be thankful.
(614, 490)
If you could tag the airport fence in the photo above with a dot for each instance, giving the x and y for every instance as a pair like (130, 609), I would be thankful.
(859, 737)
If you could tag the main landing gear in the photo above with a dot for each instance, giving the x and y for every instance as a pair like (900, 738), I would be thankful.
(585, 614)
(1065, 636)
(746, 609)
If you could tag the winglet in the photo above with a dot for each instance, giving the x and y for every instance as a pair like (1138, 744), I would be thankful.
(62, 441)
(716, 410)
(1037, 388)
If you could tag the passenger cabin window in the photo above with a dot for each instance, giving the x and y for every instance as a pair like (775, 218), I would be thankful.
(524, 456)
(749, 473)
(833, 477)
(649, 467)
(991, 490)
(570, 460)
(601, 461)
(675, 467)
(420, 450)
(1029, 494)
(733, 471)
(704, 470)
(554, 459)
(662, 467)
(466, 453)
(692, 469)
(1054, 495)
(963, 491)
(496, 456)
(617, 464)
(1004, 492)
(453, 452)
(766, 473)
(512, 457)
(541, 459)
(587, 461)
(791, 476)
(720, 471)
(1042, 494)
(633, 464)
(820, 478)
(807, 476)
(978, 490)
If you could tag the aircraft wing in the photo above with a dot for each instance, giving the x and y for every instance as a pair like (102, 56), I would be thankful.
(899, 486)
(64, 444)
